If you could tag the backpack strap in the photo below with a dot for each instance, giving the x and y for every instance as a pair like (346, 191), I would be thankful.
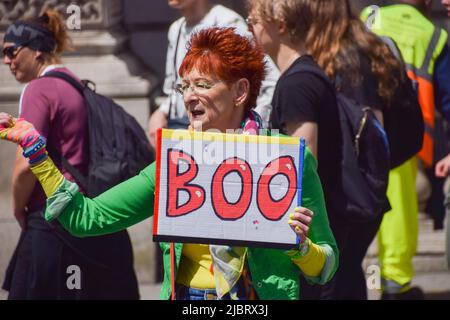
(393, 47)
(55, 154)
(74, 172)
(64, 76)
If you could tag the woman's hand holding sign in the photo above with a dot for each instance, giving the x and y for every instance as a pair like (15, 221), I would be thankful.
(308, 256)
(300, 221)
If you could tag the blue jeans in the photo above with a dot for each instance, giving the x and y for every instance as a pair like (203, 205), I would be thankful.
(185, 293)
(240, 291)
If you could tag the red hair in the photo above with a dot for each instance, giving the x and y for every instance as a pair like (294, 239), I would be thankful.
(228, 56)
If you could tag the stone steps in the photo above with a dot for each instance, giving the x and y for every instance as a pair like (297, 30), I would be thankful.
(430, 256)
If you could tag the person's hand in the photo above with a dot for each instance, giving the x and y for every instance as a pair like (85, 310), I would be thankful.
(300, 221)
(6, 120)
(18, 131)
(25, 135)
(157, 120)
(442, 168)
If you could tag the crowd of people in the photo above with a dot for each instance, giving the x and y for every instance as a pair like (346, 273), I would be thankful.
(283, 68)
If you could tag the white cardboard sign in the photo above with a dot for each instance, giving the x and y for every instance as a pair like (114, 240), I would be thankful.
(231, 189)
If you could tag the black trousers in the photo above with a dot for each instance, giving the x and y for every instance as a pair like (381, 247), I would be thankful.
(435, 205)
(42, 266)
(349, 282)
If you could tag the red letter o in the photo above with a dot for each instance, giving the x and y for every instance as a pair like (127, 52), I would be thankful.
(270, 208)
(224, 209)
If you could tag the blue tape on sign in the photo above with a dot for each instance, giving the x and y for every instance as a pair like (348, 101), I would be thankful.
(301, 154)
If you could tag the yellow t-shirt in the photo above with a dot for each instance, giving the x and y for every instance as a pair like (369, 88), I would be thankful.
(195, 269)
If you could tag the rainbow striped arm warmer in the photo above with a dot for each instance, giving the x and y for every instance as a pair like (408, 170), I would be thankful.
(25, 135)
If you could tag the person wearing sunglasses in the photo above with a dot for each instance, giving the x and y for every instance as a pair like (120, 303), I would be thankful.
(38, 268)
(221, 77)
(10, 52)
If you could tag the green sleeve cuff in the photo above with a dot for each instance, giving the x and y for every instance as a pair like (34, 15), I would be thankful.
(59, 200)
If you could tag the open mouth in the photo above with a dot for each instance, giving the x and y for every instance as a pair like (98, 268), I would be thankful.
(197, 113)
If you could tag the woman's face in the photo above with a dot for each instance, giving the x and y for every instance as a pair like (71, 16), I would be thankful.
(266, 33)
(22, 62)
(211, 103)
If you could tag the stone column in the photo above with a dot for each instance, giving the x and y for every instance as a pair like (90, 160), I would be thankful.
(102, 55)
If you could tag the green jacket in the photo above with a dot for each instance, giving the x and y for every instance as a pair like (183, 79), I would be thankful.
(132, 201)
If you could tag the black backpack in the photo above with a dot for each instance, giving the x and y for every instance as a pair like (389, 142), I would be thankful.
(365, 160)
(403, 121)
(404, 124)
(118, 146)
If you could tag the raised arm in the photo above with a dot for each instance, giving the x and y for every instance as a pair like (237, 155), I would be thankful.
(118, 208)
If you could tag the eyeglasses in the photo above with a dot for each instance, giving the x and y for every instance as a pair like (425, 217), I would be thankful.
(200, 87)
(251, 21)
(12, 51)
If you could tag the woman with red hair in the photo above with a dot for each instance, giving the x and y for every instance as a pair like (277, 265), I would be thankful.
(221, 77)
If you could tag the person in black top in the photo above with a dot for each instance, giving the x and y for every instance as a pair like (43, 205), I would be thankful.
(362, 67)
(302, 104)
(302, 101)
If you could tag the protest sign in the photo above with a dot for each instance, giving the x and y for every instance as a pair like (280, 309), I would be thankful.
(232, 189)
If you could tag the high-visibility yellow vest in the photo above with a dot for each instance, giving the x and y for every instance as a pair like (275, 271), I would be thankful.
(420, 44)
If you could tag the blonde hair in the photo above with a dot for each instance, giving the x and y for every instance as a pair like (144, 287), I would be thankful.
(292, 12)
(335, 36)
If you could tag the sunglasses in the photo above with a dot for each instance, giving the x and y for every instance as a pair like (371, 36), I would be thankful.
(12, 51)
